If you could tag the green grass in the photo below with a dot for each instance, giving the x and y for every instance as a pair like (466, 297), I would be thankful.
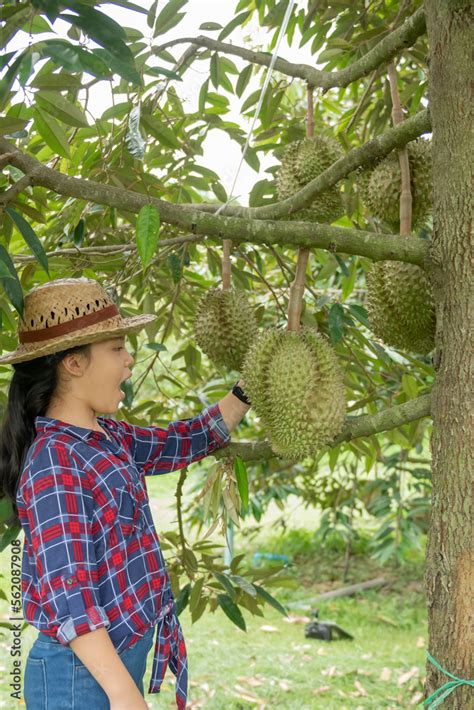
(280, 668)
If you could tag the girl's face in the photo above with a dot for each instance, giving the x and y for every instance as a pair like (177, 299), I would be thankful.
(109, 366)
(96, 384)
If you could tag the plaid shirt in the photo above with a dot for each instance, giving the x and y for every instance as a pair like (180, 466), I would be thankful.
(91, 555)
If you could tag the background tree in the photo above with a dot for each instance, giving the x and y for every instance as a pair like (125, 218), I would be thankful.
(124, 198)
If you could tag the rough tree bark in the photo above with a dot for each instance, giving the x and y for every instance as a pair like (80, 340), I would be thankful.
(449, 570)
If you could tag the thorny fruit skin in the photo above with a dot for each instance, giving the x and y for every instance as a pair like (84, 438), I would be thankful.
(225, 326)
(296, 385)
(302, 161)
(380, 187)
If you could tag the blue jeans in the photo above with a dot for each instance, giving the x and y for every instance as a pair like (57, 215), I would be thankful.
(56, 679)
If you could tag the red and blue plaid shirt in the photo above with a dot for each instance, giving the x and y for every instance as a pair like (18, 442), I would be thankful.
(91, 554)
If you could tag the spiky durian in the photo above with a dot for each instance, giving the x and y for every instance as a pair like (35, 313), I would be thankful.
(400, 305)
(225, 325)
(296, 386)
(380, 188)
(302, 161)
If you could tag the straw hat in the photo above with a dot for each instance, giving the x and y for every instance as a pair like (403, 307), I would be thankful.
(66, 312)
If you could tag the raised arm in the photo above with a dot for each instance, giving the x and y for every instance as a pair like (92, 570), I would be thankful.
(158, 450)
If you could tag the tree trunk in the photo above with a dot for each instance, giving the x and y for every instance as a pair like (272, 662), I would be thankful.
(449, 570)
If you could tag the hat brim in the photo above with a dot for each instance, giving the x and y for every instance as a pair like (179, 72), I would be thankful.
(130, 325)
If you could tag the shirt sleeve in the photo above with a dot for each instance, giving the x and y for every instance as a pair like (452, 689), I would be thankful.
(59, 506)
(157, 450)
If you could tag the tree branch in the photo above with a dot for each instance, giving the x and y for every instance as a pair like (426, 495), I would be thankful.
(404, 36)
(355, 427)
(295, 234)
(15, 189)
(364, 156)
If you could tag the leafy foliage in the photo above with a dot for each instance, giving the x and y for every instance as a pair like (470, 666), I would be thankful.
(45, 93)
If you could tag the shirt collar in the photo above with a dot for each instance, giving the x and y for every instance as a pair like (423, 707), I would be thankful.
(50, 425)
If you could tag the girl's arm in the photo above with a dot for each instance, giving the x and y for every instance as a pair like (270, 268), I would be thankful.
(232, 409)
(98, 654)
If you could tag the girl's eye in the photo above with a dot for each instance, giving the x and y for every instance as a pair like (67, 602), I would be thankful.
(118, 348)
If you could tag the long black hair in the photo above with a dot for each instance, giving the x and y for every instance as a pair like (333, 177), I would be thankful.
(30, 392)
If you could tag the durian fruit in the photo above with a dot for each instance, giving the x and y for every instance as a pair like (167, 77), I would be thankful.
(296, 386)
(302, 161)
(225, 325)
(380, 187)
(400, 306)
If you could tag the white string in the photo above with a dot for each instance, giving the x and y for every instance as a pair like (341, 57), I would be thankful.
(262, 96)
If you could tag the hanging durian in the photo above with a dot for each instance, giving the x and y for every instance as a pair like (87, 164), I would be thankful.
(302, 161)
(400, 306)
(296, 386)
(293, 377)
(400, 300)
(225, 326)
(380, 188)
(225, 322)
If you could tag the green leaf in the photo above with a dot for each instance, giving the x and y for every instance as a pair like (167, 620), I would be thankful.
(6, 507)
(161, 71)
(210, 26)
(12, 287)
(236, 22)
(215, 70)
(202, 97)
(7, 81)
(10, 124)
(52, 133)
(158, 129)
(126, 70)
(271, 600)
(74, 59)
(231, 610)
(58, 82)
(336, 322)
(409, 386)
(182, 598)
(30, 237)
(101, 28)
(156, 346)
(169, 16)
(128, 6)
(147, 232)
(225, 582)
(349, 282)
(4, 60)
(59, 107)
(250, 100)
(78, 234)
(5, 272)
(219, 191)
(151, 15)
(360, 313)
(243, 80)
(342, 264)
(244, 584)
(252, 159)
(196, 593)
(242, 481)
(11, 533)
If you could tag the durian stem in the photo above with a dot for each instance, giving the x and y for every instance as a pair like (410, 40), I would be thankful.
(405, 193)
(227, 243)
(295, 304)
(310, 111)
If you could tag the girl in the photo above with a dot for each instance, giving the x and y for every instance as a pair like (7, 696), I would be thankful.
(94, 581)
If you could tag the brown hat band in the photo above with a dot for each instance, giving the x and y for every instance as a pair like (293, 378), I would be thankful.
(33, 336)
